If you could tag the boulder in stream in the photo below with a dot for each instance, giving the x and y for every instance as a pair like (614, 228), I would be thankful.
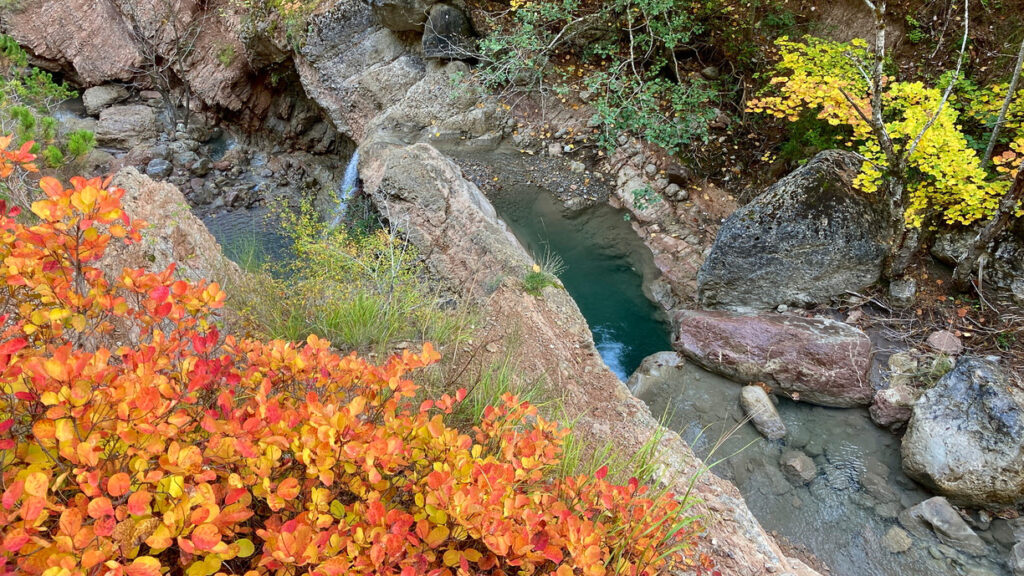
(762, 413)
(656, 368)
(964, 439)
(815, 360)
(805, 239)
(798, 467)
(940, 516)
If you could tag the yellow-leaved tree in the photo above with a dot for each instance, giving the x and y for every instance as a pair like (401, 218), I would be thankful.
(908, 133)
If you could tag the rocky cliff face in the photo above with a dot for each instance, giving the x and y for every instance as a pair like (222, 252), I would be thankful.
(98, 41)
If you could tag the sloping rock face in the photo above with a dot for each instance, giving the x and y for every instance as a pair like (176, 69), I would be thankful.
(94, 42)
(815, 360)
(368, 80)
(964, 438)
(807, 238)
(443, 214)
(173, 234)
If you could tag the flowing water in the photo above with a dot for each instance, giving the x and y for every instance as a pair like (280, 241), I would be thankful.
(604, 268)
(349, 186)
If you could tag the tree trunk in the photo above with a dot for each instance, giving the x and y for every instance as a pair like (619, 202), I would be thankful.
(1003, 215)
(1006, 106)
(903, 242)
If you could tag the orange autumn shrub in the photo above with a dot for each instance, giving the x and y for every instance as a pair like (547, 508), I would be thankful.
(137, 440)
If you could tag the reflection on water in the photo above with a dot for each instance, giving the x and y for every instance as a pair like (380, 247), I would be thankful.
(605, 263)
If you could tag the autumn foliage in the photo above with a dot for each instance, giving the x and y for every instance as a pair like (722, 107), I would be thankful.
(136, 439)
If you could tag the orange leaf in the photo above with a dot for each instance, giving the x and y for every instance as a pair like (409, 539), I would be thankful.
(288, 489)
(100, 507)
(118, 484)
(144, 566)
(205, 537)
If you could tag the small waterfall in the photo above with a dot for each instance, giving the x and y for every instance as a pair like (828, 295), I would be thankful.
(348, 187)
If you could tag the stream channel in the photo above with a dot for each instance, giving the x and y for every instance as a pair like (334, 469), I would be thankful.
(841, 516)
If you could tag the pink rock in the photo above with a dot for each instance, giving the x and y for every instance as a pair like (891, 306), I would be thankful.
(815, 360)
(945, 342)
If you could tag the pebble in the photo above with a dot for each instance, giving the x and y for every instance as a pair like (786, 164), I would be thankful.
(896, 540)
(945, 342)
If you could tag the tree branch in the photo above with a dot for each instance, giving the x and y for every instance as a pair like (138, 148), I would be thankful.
(949, 89)
(1002, 111)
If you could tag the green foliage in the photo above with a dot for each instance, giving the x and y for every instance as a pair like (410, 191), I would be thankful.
(644, 198)
(624, 53)
(226, 55)
(915, 33)
(28, 98)
(268, 17)
(53, 157)
(362, 291)
(544, 273)
(80, 143)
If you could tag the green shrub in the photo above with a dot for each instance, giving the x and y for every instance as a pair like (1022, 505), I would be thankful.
(639, 85)
(53, 157)
(80, 143)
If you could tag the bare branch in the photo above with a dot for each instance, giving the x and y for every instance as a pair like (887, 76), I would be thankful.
(949, 89)
(1002, 111)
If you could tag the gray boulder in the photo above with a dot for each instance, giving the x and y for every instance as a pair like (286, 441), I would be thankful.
(964, 438)
(159, 168)
(947, 524)
(448, 34)
(125, 127)
(97, 98)
(402, 15)
(950, 247)
(808, 237)
(811, 359)
(762, 413)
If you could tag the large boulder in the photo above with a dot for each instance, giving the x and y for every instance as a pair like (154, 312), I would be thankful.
(448, 34)
(811, 359)
(173, 233)
(125, 127)
(97, 98)
(808, 237)
(964, 438)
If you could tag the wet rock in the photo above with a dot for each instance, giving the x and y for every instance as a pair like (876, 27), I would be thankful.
(811, 359)
(202, 167)
(945, 342)
(798, 468)
(1017, 559)
(762, 413)
(125, 127)
(896, 540)
(401, 15)
(97, 98)
(159, 168)
(943, 519)
(655, 369)
(964, 439)
(448, 34)
(878, 487)
(805, 239)
(892, 407)
(902, 293)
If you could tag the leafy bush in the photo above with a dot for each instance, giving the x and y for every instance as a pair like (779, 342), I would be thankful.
(80, 143)
(188, 451)
(639, 85)
(821, 78)
(53, 156)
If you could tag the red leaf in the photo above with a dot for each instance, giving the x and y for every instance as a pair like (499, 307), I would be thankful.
(601, 472)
